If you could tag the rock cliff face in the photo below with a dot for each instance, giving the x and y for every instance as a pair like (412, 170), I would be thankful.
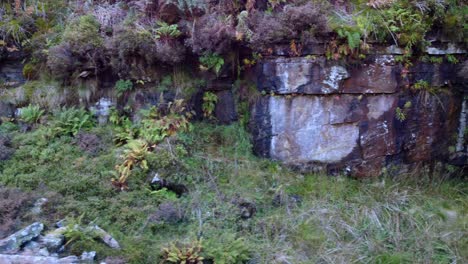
(324, 115)
(356, 117)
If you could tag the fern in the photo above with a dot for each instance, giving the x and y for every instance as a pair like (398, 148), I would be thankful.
(31, 114)
(165, 30)
(212, 61)
(69, 121)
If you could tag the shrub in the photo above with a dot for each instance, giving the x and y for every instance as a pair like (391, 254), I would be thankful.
(31, 114)
(12, 201)
(61, 61)
(212, 33)
(88, 142)
(170, 51)
(128, 43)
(69, 121)
(297, 21)
(83, 33)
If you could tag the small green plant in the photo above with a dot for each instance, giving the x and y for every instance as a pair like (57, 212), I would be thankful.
(421, 85)
(209, 103)
(134, 155)
(29, 71)
(74, 232)
(436, 60)
(352, 36)
(227, 249)
(451, 59)
(401, 113)
(123, 86)
(166, 31)
(69, 121)
(31, 114)
(157, 125)
(124, 129)
(164, 194)
(181, 253)
(212, 61)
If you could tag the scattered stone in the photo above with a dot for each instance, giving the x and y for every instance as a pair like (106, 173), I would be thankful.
(247, 209)
(104, 236)
(102, 110)
(61, 223)
(395, 50)
(33, 248)
(22, 259)
(158, 183)
(37, 209)
(451, 49)
(54, 239)
(14, 242)
(287, 199)
(88, 257)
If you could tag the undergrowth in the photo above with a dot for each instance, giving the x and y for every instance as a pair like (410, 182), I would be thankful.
(298, 218)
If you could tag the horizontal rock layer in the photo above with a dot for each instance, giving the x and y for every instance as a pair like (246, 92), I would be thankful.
(318, 114)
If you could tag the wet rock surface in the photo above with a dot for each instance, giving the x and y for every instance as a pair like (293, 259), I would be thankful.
(319, 115)
(14, 242)
(32, 245)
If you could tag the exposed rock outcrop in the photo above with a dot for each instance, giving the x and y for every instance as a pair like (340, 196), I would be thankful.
(324, 115)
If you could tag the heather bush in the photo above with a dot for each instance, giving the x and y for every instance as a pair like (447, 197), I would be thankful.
(127, 43)
(170, 51)
(61, 62)
(296, 21)
(12, 202)
(89, 143)
(81, 49)
(83, 34)
(212, 33)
